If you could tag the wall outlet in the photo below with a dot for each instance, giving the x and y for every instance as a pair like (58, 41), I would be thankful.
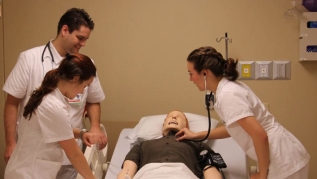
(263, 70)
(246, 70)
(281, 70)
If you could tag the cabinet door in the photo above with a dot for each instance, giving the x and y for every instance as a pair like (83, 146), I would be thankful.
(308, 37)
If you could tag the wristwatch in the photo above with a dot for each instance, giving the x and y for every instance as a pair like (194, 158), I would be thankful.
(82, 131)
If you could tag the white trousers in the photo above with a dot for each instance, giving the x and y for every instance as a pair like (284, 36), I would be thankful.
(300, 174)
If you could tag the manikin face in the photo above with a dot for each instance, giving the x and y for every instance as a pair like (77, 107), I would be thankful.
(77, 88)
(195, 77)
(175, 120)
(75, 40)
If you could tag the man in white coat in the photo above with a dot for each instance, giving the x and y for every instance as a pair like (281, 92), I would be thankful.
(74, 29)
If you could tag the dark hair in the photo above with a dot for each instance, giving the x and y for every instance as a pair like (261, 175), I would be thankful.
(74, 18)
(208, 58)
(73, 65)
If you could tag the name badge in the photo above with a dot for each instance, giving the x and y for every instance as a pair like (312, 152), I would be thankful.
(77, 100)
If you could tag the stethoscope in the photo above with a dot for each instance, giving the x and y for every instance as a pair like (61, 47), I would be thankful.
(47, 46)
(209, 97)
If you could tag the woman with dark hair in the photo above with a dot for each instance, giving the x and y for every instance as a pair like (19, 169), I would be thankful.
(73, 31)
(46, 129)
(280, 155)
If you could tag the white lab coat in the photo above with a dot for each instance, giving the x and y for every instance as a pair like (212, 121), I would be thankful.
(38, 154)
(234, 101)
(28, 74)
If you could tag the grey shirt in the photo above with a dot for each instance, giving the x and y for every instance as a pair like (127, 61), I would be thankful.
(167, 149)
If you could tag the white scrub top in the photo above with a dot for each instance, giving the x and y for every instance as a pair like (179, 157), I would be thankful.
(38, 154)
(234, 101)
(28, 74)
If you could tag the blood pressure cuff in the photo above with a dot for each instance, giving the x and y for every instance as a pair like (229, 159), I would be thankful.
(211, 158)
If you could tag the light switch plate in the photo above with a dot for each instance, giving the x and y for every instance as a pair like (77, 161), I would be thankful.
(281, 70)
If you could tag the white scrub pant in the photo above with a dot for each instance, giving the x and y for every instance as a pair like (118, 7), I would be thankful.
(67, 172)
(300, 174)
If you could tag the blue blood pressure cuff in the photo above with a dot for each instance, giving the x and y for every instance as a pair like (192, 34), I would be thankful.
(209, 158)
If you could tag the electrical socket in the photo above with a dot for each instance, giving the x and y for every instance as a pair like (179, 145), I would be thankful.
(263, 70)
(246, 70)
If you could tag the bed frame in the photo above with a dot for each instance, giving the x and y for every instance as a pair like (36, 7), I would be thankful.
(97, 159)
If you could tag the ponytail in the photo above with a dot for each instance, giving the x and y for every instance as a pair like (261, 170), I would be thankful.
(48, 85)
(230, 69)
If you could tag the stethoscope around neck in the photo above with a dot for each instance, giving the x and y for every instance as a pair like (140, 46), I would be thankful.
(47, 46)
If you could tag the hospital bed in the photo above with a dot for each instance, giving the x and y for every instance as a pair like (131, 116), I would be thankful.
(232, 154)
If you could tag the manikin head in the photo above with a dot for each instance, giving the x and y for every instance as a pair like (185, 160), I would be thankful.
(175, 120)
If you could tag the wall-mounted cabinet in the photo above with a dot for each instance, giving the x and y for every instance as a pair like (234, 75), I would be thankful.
(308, 37)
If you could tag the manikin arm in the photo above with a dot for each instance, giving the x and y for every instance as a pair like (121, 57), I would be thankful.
(129, 168)
(212, 173)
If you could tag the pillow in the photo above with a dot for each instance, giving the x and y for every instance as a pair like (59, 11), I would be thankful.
(150, 127)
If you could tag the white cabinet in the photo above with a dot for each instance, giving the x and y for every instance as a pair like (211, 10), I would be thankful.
(308, 37)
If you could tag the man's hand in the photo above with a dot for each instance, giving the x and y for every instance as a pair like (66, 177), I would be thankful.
(95, 136)
(8, 152)
(93, 112)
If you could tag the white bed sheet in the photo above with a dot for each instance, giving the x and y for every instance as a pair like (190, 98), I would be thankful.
(233, 155)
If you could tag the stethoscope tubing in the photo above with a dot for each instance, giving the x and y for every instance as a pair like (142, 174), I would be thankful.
(47, 46)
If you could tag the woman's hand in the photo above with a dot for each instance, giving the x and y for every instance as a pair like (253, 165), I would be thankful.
(90, 138)
(100, 138)
(185, 134)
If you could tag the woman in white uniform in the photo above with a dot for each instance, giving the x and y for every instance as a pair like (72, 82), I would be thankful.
(46, 129)
(280, 155)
